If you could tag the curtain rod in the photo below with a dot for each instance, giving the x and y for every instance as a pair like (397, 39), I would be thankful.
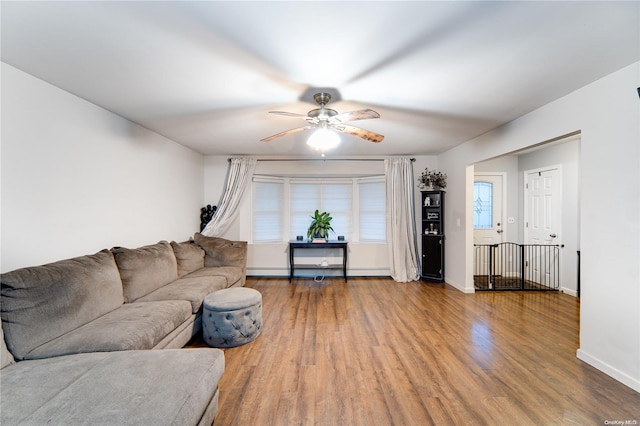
(321, 159)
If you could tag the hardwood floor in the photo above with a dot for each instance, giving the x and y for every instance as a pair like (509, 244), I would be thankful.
(375, 352)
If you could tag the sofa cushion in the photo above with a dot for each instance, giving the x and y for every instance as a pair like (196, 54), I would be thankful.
(132, 326)
(232, 274)
(191, 289)
(190, 257)
(41, 303)
(145, 269)
(169, 387)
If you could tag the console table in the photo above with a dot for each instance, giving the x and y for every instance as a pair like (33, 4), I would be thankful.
(297, 245)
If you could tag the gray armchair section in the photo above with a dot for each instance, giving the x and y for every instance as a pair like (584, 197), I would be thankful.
(81, 327)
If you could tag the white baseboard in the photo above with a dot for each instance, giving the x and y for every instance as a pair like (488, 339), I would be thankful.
(569, 291)
(267, 272)
(459, 287)
(625, 379)
(284, 272)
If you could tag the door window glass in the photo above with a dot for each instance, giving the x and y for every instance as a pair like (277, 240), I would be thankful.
(482, 205)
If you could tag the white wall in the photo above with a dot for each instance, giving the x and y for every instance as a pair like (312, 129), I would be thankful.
(272, 259)
(77, 178)
(607, 112)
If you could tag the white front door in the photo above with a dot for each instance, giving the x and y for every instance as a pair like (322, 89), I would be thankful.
(542, 221)
(488, 226)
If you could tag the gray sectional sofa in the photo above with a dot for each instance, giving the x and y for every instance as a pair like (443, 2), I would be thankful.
(77, 335)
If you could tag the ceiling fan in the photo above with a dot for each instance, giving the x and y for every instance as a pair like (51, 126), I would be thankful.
(329, 119)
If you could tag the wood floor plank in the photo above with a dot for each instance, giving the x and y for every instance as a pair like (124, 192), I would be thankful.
(375, 352)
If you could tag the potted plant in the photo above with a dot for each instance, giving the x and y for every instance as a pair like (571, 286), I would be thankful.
(320, 225)
(430, 180)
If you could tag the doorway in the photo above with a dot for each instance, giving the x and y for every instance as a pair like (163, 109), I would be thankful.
(489, 201)
(554, 166)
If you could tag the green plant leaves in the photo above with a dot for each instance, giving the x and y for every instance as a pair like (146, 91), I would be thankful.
(320, 224)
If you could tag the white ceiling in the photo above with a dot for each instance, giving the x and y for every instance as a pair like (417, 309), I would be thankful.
(205, 74)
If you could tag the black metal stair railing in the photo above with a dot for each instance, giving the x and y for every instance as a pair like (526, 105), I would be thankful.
(511, 266)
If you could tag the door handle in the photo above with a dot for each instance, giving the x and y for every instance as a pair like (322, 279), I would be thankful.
(499, 231)
(553, 235)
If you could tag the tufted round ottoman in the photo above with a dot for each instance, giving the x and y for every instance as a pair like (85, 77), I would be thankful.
(231, 317)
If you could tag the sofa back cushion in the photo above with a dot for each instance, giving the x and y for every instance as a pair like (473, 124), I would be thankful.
(41, 303)
(222, 252)
(145, 269)
(189, 256)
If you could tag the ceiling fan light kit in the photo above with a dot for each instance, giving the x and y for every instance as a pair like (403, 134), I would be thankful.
(323, 139)
(328, 122)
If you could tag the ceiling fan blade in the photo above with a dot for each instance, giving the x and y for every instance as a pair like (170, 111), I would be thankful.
(289, 114)
(363, 114)
(361, 133)
(287, 132)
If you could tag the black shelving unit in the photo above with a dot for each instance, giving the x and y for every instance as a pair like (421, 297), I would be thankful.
(432, 236)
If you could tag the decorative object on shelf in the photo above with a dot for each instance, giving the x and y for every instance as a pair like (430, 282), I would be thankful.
(206, 214)
(431, 180)
(320, 226)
